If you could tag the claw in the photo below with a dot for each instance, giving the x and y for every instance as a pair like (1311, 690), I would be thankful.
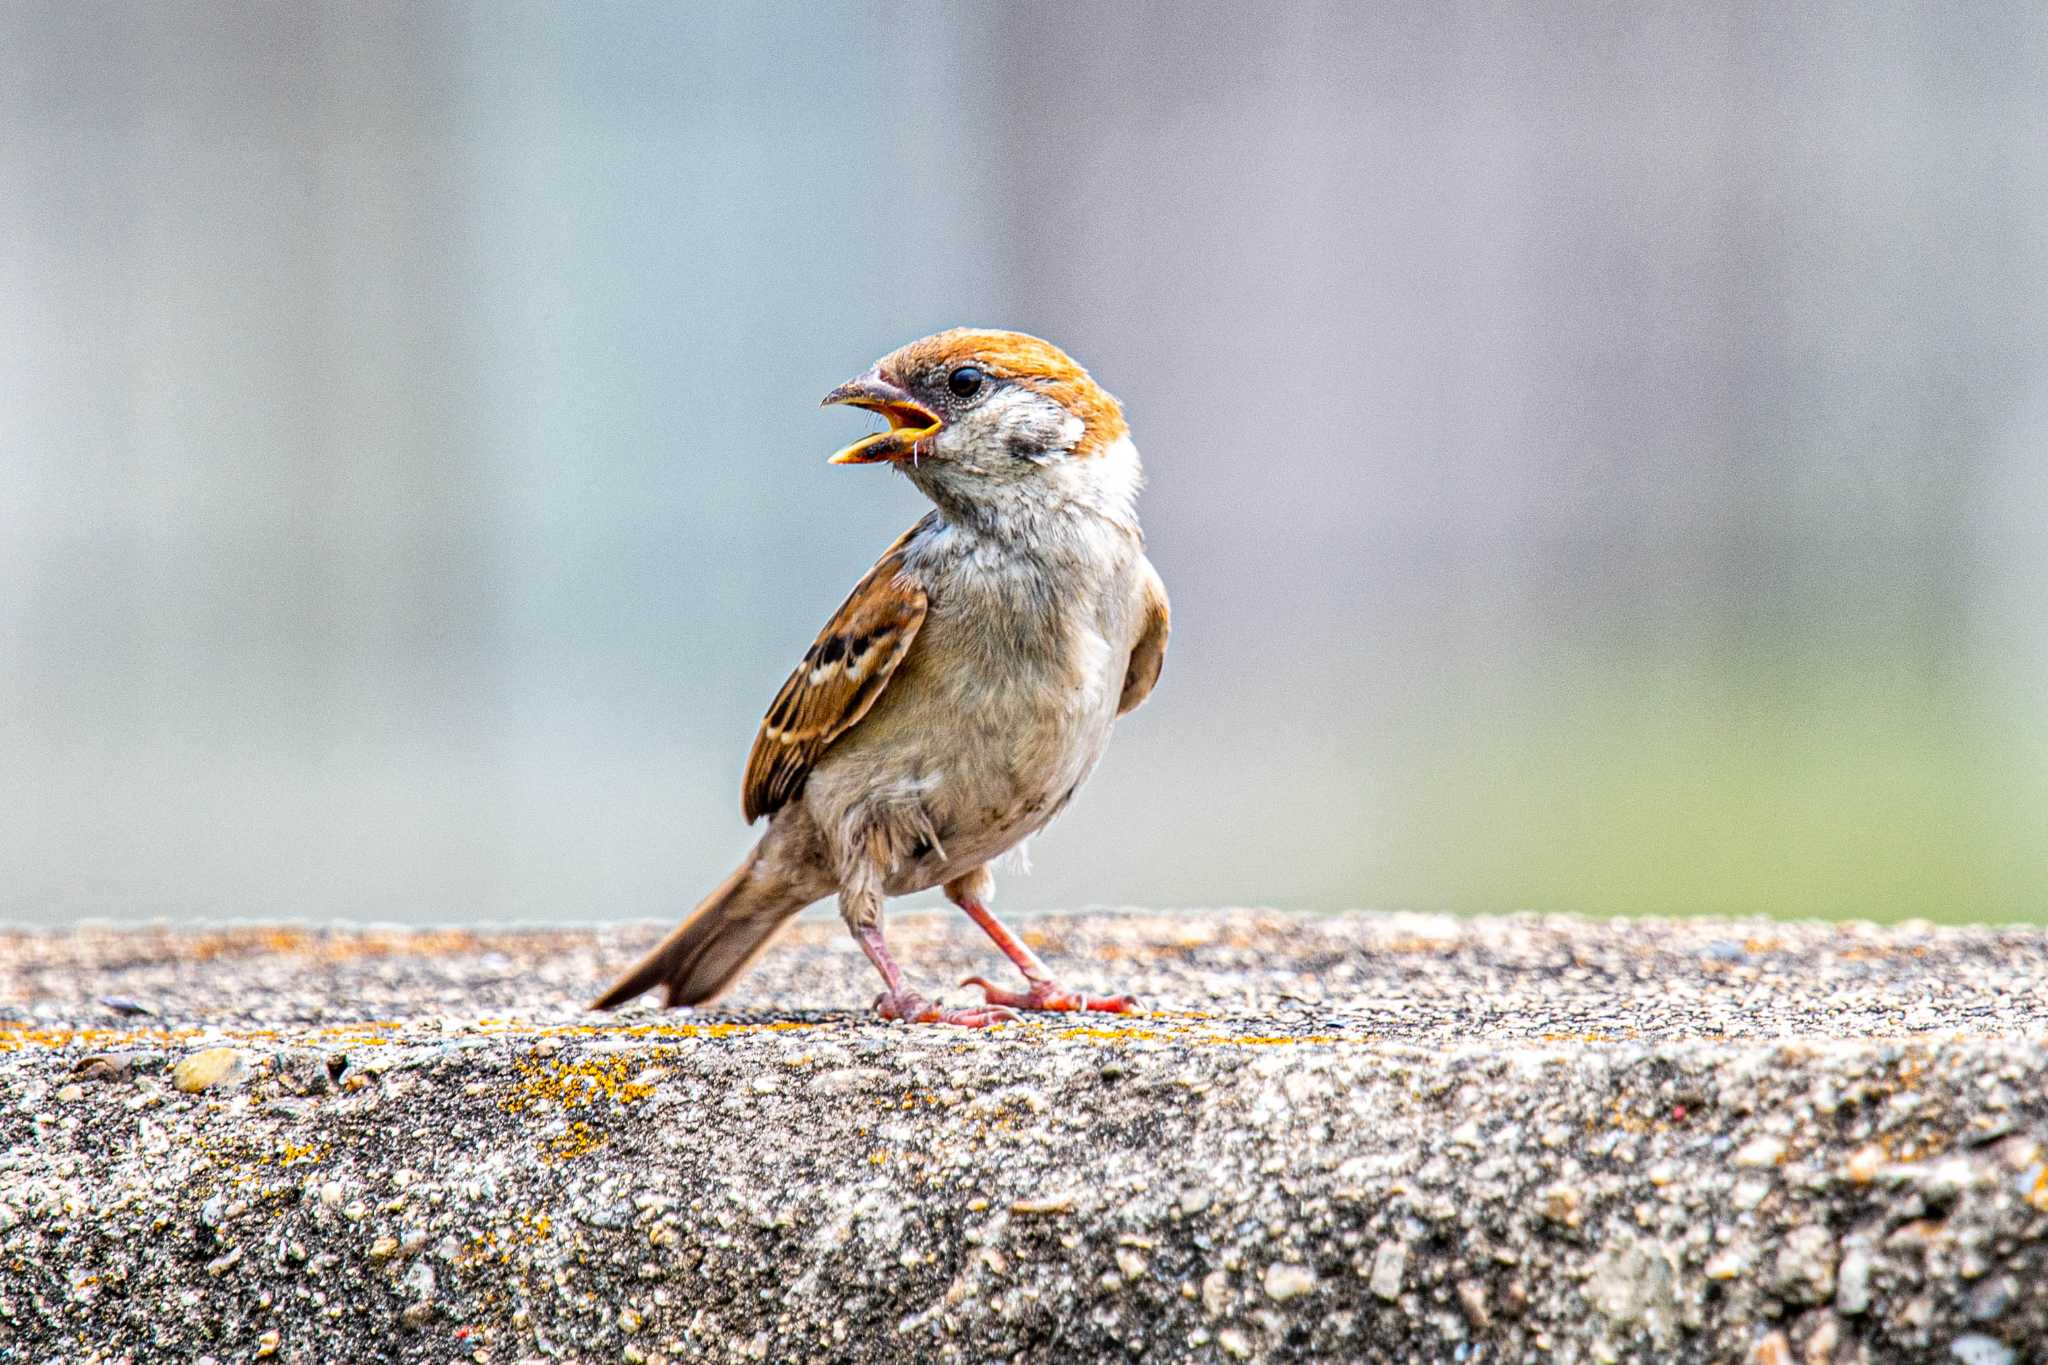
(1051, 996)
(912, 1008)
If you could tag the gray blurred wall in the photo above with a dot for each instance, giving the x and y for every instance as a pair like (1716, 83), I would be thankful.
(1597, 451)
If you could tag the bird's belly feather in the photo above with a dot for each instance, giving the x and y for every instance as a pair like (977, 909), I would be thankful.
(953, 774)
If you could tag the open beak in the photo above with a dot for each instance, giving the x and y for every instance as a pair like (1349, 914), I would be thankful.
(909, 420)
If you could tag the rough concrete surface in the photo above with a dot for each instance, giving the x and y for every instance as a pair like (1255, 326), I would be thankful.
(1370, 1138)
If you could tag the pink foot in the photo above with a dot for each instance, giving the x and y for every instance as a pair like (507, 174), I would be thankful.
(1051, 995)
(913, 1008)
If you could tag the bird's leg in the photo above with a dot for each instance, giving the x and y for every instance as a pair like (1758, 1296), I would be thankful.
(900, 1002)
(1045, 993)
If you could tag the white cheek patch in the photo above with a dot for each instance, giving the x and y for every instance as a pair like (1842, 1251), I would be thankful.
(1119, 474)
(1072, 429)
(1030, 425)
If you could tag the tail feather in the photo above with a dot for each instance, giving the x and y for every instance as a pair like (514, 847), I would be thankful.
(709, 950)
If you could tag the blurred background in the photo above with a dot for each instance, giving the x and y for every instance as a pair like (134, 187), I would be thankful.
(1599, 453)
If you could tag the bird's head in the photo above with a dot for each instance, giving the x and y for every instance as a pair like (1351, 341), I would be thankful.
(986, 422)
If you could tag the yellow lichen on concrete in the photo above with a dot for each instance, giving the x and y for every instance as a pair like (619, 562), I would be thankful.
(580, 1139)
(1129, 1033)
(1277, 1039)
(512, 1028)
(500, 1244)
(572, 1085)
(18, 1034)
(1117, 1035)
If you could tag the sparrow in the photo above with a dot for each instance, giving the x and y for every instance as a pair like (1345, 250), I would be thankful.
(962, 694)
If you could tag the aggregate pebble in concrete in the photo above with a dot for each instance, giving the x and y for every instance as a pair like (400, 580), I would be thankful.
(1374, 1138)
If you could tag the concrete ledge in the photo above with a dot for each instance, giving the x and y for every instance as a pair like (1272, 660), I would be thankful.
(1377, 1138)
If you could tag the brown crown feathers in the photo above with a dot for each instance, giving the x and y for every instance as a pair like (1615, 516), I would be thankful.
(1024, 359)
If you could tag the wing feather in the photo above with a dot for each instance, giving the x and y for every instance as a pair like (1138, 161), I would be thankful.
(1148, 655)
(841, 675)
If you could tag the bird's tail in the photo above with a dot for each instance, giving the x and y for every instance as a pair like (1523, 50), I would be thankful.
(709, 950)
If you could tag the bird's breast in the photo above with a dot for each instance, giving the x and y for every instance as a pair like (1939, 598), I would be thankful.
(998, 712)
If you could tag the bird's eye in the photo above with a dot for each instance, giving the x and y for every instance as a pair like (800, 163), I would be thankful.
(965, 382)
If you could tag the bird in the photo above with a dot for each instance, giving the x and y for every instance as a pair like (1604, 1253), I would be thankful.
(964, 691)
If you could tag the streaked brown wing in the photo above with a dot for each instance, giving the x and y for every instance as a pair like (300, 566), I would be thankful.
(839, 679)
